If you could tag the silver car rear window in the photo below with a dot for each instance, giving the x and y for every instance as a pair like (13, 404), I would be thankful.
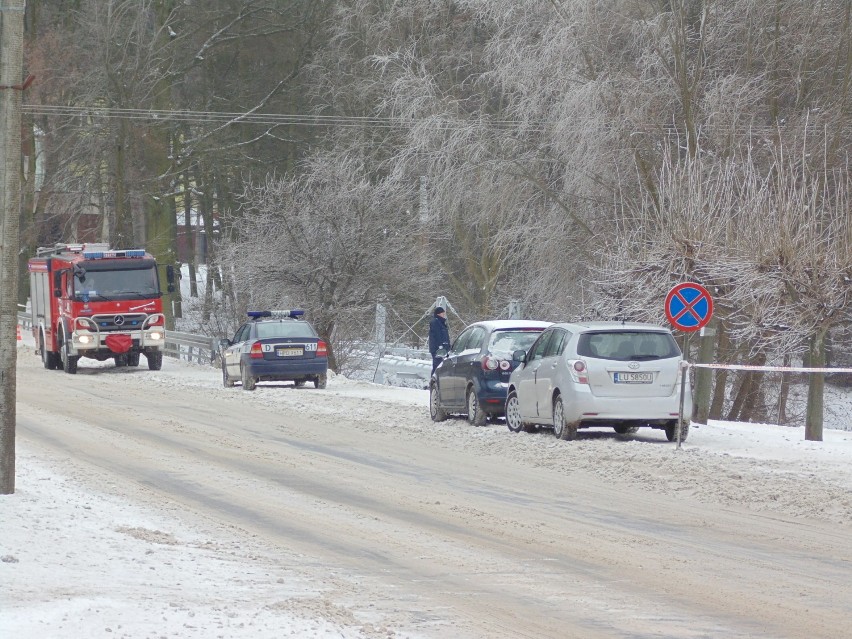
(284, 329)
(627, 345)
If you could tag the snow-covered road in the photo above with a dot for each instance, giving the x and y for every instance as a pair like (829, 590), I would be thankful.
(161, 504)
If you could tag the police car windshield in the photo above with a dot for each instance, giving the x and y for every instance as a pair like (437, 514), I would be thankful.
(123, 284)
(284, 329)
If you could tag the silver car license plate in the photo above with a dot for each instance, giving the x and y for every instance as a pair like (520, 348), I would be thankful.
(632, 378)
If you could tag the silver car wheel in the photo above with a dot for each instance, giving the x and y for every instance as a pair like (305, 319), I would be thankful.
(513, 413)
(562, 429)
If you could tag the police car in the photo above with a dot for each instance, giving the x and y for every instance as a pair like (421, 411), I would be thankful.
(274, 346)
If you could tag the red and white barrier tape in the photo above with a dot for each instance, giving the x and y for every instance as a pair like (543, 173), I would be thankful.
(771, 369)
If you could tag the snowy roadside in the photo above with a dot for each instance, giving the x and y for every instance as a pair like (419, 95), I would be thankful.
(80, 558)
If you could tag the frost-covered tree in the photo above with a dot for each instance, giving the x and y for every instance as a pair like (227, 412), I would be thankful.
(334, 241)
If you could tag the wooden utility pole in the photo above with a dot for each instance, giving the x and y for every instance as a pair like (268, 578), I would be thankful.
(11, 88)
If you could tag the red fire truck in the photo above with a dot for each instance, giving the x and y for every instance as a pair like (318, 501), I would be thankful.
(92, 301)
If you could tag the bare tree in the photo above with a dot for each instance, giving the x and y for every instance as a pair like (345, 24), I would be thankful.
(333, 241)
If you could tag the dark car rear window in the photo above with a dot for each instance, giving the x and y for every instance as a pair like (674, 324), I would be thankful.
(506, 342)
(627, 345)
(284, 329)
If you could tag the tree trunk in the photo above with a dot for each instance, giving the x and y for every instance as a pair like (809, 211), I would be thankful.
(123, 237)
(190, 233)
(784, 393)
(11, 56)
(748, 390)
(704, 376)
(721, 383)
(816, 388)
(753, 405)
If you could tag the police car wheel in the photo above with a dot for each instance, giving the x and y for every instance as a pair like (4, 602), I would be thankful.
(227, 382)
(249, 382)
(320, 381)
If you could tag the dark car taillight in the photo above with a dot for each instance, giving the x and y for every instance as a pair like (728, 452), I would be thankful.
(322, 349)
(256, 351)
(491, 363)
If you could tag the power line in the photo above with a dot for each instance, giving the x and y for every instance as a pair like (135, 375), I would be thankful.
(377, 122)
(268, 119)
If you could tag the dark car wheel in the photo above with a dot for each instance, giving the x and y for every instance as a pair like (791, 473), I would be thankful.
(321, 381)
(562, 429)
(435, 411)
(475, 414)
(227, 382)
(513, 414)
(299, 383)
(249, 382)
(671, 431)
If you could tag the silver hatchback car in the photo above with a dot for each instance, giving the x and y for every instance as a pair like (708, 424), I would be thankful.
(614, 374)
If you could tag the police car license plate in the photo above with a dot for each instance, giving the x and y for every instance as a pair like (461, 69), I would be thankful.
(632, 378)
(289, 352)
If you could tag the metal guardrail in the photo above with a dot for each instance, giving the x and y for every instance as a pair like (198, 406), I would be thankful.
(405, 363)
(199, 348)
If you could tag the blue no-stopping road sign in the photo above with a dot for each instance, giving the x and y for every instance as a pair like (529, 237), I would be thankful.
(689, 306)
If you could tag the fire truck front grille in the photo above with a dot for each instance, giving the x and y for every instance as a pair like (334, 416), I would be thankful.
(120, 321)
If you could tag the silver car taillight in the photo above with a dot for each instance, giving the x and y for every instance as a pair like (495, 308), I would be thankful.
(579, 372)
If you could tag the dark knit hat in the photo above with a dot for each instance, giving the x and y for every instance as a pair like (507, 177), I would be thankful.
(439, 310)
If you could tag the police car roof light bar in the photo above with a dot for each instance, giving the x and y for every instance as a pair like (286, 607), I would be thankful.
(276, 314)
(294, 312)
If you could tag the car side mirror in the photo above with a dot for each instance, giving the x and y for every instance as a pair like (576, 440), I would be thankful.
(224, 343)
(520, 355)
(441, 352)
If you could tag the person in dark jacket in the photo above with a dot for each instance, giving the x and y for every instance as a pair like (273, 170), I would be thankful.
(439, 335)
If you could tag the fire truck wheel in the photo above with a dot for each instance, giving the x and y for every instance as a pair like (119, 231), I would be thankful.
(226, 381)
(133, 359)
(50, 359)
(155, 360)
(249, 382)
(69, 362)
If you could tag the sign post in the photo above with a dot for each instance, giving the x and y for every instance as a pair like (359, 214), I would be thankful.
(689, 308)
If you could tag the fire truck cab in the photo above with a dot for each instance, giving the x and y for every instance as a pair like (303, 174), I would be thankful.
(92, 301)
